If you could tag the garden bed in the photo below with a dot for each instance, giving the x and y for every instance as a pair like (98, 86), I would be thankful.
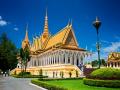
(102, 83)
(67, 84)
(104, 77)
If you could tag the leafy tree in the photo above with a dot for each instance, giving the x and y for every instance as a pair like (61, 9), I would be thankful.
(25, 57)
(8, 53)
(95, 63)
(103, 62)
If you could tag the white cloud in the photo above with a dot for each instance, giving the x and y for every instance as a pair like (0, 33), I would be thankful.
(104, 51)
(16, 29)
(117, 37)
(0, 17)
(2, 22)
(105, 42)
(115, 46)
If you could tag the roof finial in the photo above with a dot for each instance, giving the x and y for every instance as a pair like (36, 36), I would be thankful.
(26, 35)
(97, 18)
(71, 22)
(46, 13)
(68, 22)
(46, 32)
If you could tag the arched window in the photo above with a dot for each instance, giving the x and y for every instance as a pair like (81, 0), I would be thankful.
(68, 59)
(35, 63)
(77, 61)
(111, 64)
(38, 62)
(73, 60)
(51, 61)
(64, 59)
(58, 59)
(115, 64)
(55, 60)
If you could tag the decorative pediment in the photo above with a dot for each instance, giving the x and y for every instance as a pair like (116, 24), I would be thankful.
(71, 40)
(114, 56)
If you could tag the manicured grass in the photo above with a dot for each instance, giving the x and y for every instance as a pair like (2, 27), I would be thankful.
(76, 85)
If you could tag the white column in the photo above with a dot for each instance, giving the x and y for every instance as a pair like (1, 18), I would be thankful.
(40, 61)
(49, 60)
(75, 59)
(66, 58)
(117, 64)
(110, 64)
(37, 61)
(52, 59)
(33, 61)
(59, 56)
(71, 59)
(62, 59)
(56, 59)
(113, 64)
(44, 60)
(30, 62)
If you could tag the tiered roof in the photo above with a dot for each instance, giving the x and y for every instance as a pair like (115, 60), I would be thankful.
(64, 39)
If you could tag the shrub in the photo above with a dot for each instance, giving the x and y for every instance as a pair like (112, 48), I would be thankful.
(49, 79)
(62, 74)
(106, 74)
(29, 76)
(40, 72)
(102, 83)
(24, 73)
(87, 71)
(77, 74)
(70, 74)
(47, 86)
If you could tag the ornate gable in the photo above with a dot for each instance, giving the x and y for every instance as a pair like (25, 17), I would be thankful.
(57, 38)
(71, 40)
(114, 56)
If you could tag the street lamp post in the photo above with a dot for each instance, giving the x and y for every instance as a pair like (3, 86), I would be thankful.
(97, 24)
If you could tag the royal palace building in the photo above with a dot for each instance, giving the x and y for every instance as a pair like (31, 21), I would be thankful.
(55, 53)
(114, 60)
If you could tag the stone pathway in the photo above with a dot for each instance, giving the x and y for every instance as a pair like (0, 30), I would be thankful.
(10, 83)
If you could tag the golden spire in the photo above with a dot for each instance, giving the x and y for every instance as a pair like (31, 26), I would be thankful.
(71, 22)
(46, 32)
(25, 42)
(26, 35)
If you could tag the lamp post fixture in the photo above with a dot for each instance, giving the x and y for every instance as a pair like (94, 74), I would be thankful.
(97, 24)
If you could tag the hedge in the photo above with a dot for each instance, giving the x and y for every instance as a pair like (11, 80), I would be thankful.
(102, 83)
(106, 74)
(29, 76)
(46, 85)
(49, 79)
(24, 73)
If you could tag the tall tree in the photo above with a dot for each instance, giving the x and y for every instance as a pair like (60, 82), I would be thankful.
(8, 53)
(95, 63)
(25, 57)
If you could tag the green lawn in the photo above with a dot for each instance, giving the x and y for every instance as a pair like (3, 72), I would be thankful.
(77, 85)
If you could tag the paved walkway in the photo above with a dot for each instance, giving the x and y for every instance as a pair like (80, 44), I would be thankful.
(10, 83)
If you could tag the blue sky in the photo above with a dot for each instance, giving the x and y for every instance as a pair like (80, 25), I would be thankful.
(15, 14)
